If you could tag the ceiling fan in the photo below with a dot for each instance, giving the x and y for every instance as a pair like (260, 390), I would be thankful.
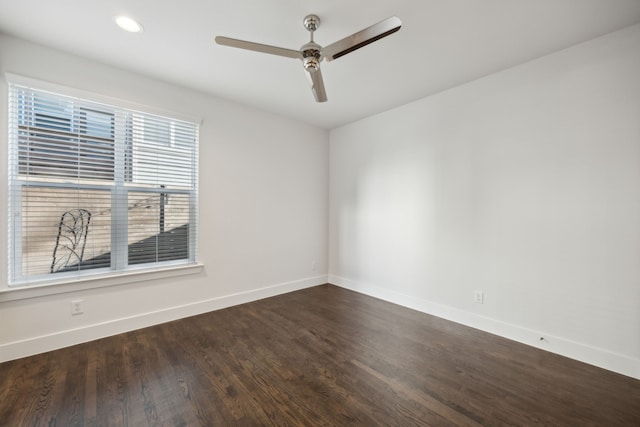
(312, 53)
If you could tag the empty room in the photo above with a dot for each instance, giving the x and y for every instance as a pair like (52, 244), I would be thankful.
(331, 213)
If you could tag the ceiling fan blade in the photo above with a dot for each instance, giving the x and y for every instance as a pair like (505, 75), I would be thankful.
(362, 38)
(317, 85)
(258, 47)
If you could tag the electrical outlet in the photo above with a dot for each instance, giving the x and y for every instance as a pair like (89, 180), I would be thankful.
(76, 307)
(478, 297)
(314, 266)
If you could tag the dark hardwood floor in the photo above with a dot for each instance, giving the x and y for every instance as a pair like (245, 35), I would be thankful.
(321, 356)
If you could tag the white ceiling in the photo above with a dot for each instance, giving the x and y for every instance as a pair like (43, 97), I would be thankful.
(442, 44)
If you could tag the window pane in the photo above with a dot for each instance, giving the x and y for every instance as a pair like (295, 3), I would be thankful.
(58, 139)
(163, 152)
(65, 230)
(158, 227)
(96, 123)
(52, 114)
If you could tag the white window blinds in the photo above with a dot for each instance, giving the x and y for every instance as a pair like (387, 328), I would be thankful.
(96, 188)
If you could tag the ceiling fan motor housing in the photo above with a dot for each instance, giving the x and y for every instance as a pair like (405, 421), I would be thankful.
(311, 56)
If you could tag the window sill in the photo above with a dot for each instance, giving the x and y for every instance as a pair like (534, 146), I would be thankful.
(86, 283)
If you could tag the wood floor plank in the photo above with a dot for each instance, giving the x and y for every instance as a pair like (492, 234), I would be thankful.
(322, 356)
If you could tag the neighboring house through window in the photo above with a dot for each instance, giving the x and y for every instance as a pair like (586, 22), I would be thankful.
(96, 188)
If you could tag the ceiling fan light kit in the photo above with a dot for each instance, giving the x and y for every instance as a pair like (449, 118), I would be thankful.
(312, 54)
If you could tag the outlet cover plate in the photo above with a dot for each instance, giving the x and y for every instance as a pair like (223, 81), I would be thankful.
(478, 297)
(76, 307)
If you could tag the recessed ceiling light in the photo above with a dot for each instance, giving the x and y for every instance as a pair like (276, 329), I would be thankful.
(128, 24)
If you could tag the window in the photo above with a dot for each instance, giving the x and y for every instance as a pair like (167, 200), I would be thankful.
(96, 188)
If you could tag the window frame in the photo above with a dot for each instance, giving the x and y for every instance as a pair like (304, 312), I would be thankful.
(119, 188)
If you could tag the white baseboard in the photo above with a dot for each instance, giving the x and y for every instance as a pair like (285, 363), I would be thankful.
(594, 356)
(41, 344)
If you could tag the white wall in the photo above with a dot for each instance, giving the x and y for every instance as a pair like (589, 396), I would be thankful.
(524, 184)
(263, 210)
